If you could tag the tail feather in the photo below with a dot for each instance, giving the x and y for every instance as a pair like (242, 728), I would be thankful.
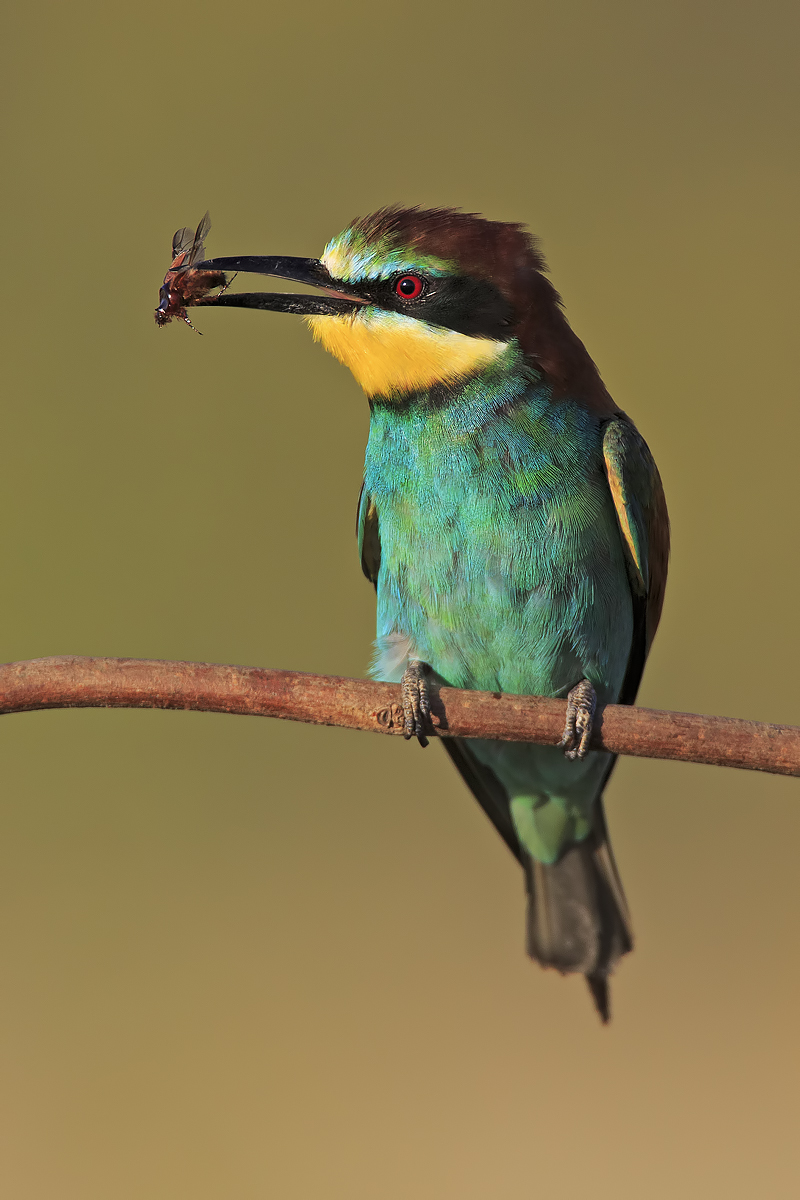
(600, 993)
(577, 915)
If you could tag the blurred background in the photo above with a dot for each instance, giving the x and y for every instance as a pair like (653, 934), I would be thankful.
(245, 959)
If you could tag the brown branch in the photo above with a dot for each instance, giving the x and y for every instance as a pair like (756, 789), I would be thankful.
(73, 682)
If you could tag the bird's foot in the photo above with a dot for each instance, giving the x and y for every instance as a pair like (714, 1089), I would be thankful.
(581, 703)
(416, 701)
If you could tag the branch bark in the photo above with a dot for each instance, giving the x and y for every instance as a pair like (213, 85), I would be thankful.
(75, 682)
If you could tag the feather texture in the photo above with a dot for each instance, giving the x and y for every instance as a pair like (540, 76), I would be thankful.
(513, 522)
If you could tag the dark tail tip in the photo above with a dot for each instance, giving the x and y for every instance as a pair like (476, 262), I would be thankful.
(600, 993)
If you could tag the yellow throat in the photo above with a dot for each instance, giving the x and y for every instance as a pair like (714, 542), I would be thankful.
(389, 353)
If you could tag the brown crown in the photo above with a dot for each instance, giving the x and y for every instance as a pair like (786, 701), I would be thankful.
(509, 257)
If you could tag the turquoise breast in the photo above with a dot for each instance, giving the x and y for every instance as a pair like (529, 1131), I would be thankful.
(502, 567)
(501, 558)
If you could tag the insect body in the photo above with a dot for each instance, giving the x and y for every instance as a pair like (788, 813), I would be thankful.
(183, 283)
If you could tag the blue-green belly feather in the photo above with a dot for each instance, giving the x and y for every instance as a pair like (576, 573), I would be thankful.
(502, 567)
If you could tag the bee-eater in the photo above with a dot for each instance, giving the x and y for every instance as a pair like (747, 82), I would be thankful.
(512, 521)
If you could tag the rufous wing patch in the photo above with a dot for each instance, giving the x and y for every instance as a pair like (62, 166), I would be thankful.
(630, 468)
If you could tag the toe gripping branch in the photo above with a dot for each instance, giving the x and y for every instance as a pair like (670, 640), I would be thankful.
(417, 722)
(416, 701)
(581, 705)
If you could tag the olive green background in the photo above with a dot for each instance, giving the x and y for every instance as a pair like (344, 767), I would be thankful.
(242, 959)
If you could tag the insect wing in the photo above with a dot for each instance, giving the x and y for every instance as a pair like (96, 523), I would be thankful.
(198, 252)
(182, 241)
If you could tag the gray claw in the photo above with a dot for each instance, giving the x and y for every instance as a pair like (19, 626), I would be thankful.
(416, 701)
(581, 704)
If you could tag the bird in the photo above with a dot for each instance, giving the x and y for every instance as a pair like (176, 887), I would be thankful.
(513, 523)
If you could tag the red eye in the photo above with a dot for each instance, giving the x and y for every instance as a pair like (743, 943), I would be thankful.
(408, 287)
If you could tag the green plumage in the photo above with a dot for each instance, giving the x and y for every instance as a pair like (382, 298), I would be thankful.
(502, 567)
(507, 535)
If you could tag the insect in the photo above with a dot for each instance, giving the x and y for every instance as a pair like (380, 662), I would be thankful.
(183, 284)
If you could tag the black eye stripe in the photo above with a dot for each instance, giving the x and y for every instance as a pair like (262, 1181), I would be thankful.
(463, 303)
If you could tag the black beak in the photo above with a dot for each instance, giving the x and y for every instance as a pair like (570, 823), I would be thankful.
(298, 270)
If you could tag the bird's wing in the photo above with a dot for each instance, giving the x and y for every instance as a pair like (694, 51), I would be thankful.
(368, 534)
(642, 515)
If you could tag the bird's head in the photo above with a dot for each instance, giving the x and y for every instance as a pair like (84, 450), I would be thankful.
(416, 298)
